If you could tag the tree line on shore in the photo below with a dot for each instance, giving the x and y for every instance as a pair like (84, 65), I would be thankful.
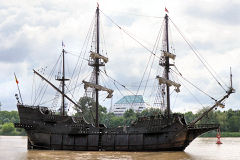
(7, 120)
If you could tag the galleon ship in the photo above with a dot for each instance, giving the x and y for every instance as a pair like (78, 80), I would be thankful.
(51, 130)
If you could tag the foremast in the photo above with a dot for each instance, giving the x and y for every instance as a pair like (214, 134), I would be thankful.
(165, 80)
(62, 79)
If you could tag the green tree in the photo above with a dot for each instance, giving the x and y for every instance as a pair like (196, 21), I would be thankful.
(189, 117)
(6, 117)
(87, 106)
(129, 116)
(6, 120)
(116, 121)
(151, 112)
(7, 128)
(209, 118)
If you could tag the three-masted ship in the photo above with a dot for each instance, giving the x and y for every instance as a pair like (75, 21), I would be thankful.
(46, 130)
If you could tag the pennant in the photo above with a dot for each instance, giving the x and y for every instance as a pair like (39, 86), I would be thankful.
(166, 10)
(63, 45)
(16, 78)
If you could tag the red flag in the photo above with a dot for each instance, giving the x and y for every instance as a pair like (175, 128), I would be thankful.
(166, 10)
(16, 78)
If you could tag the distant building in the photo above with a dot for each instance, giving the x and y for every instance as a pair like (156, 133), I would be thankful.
(134, 102)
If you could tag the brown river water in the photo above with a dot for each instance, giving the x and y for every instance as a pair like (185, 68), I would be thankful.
(15, 148)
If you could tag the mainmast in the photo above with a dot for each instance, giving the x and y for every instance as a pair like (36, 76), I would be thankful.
(167, 65)
(97, 67)
(97, 60)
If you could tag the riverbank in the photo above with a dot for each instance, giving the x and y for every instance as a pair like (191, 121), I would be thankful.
(223, 134)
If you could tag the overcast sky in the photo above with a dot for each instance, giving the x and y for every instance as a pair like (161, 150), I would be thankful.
(31, 33)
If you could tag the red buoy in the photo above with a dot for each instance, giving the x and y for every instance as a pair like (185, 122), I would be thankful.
(218, 137)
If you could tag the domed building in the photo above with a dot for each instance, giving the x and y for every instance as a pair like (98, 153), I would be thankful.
(134, 102)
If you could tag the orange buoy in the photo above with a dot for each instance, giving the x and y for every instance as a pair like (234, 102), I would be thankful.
(218, 137)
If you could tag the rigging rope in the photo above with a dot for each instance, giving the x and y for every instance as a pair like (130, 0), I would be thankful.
(71, 52)
(32, 88)
(69, 91)
(46, 101)
(155, 47)
(49, 77)
(103, 80)
(188, 91)
(45, 84)
(130, 35)
(71, 95)
(119, 90)
(85, 44)
(118, 83)
(192, 84)
(134, 14)
(197, 55)
(175, 101)
(103, 38)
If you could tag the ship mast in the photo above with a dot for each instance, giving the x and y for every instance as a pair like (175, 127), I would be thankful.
(167, 65)
(97, 67)
(164, 62)
(63, 84)
(97, 60)
(62, 79)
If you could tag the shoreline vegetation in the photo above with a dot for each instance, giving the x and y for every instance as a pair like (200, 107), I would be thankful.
(229, 120)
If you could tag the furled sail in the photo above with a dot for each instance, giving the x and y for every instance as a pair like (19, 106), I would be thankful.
(170, 55)
(94, 55)
(169, 83)
(99, 87)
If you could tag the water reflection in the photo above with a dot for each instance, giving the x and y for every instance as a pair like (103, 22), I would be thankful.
(75, 155)
(15, 148)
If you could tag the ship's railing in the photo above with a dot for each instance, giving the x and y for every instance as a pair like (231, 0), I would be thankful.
(51, 111)
(199, 126)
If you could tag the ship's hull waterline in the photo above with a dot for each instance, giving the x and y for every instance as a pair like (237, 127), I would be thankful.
(55, 132)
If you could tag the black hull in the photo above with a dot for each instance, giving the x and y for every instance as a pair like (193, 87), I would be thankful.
(55, 132)
(109, 142)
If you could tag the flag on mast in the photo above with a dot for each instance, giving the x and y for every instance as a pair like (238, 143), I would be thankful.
(18, 88)
(166, 10)
(63, 45)
(16, 78)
